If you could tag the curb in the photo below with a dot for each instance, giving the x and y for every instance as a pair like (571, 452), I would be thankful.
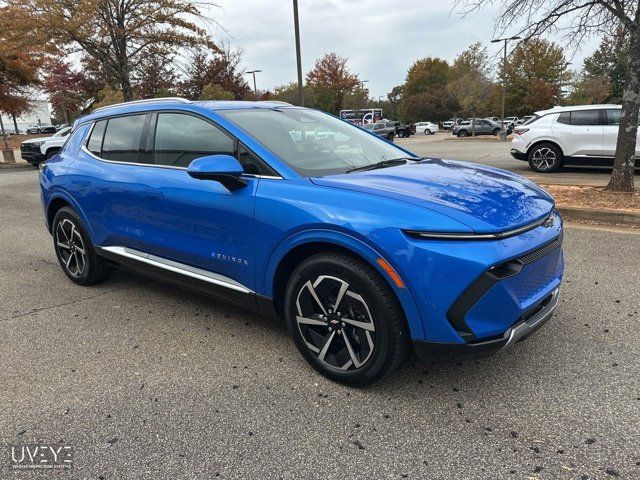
(12, 166)
(611, 217)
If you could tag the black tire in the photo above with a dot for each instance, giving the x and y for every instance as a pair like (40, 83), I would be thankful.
(77, 258)
(427, 131)
(545, 157)
(496, 131)
(402, 134)
(390, 137)
(463, 133)
(51, 152)
(378, 349)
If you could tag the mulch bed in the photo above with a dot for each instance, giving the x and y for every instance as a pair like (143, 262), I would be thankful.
(594, 197)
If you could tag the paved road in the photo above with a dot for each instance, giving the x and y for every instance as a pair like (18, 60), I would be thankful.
(149, 382)
(489, 151)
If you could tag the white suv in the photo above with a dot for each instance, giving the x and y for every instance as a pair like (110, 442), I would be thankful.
(583, 135)
(428, 128)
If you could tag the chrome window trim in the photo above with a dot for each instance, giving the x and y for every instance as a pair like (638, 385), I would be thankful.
(90, 153)
(178, 267)
(477, 236)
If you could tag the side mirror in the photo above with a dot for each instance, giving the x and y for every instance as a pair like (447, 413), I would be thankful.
(220, 168)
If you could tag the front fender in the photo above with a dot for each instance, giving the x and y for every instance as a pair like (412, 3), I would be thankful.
(352, 244)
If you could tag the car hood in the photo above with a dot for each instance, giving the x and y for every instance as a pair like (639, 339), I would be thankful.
(487, 200)
(39, 139)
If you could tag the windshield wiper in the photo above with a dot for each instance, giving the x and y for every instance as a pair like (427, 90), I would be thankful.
(383, 164)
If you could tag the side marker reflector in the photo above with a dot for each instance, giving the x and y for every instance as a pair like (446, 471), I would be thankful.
(391, 272)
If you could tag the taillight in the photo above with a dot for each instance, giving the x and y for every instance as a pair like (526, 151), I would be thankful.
(520, 131)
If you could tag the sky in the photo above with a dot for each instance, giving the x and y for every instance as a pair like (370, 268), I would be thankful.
(380, 38)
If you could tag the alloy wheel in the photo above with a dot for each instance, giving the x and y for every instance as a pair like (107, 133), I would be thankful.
(70, 247)
(335, 323)
(544, 158)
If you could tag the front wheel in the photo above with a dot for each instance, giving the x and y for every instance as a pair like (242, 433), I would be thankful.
(545, 158)
(427, 132)
(496, 131)
(345, 319)
(463, 133)
(390, 137)
(75, 251)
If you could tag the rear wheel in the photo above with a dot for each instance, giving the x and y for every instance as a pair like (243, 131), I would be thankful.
(75, 251)
(427, 131)
(344, 319)
(545, 158)
(390, 137)
(496, 131)
(463, 133)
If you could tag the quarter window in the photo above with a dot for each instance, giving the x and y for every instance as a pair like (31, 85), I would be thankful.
(122, 138)
(95, 140)
(180, 139)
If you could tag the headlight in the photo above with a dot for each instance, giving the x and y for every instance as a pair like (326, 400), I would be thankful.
(37, 144)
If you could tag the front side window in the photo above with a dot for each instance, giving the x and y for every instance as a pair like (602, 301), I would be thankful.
(122, 138)
(311, 142)
(181, 138)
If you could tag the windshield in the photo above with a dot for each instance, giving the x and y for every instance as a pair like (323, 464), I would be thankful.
(313, 143)
(63, 133)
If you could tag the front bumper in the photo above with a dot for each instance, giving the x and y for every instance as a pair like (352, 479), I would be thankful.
(31, 154)
(518, 332)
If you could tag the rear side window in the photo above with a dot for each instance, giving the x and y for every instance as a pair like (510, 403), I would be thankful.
(613, 117)
(180, 139)
(122, 138)
(564, 117)
(585, 117)
(94, 145)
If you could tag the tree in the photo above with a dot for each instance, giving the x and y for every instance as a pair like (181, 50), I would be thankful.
(424, 93)
(66, 89)
(588, 90)
(222, 68)
(289, 93)
(332, 81)
(108, 96)
(610, 60)
(471, 85)
(535, 75)
(21, 58)
(213, 91)
(579, 19)
(120, 34)
(155, 77)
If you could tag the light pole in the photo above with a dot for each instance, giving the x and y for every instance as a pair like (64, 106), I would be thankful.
(504, 73)
(255, 90)
(296, 25)
(362, 82)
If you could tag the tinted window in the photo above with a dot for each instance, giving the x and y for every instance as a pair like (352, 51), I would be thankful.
(251, 163)
(585, 117)
(565, 117)
(180, 139)
(95, 140)
(613, 117)
(122, 138)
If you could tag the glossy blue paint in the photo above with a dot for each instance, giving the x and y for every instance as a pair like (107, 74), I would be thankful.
(222, 164)
(244, 234)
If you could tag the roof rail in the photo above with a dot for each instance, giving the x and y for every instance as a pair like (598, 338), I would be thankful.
(276, 101)
(146, 100)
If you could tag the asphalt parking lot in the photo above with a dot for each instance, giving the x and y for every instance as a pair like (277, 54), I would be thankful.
(147, 381)
(487, 150)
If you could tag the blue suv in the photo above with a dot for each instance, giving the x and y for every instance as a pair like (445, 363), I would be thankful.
(366, 250)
